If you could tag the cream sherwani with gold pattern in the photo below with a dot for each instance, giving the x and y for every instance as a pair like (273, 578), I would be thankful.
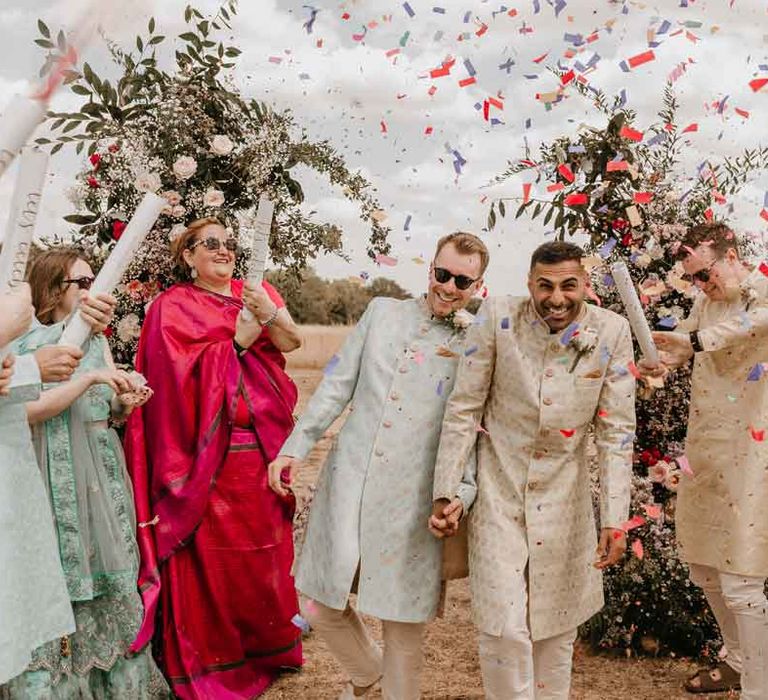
(722, 510)
(534, 506)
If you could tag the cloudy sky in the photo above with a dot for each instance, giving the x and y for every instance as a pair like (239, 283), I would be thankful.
(359, 75)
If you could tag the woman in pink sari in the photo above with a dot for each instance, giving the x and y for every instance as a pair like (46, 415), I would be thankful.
(216, 542)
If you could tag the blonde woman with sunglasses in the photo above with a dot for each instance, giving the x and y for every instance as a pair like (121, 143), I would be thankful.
(83, 468)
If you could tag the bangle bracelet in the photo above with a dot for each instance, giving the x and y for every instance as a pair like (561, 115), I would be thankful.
(695, 341)
(272, 318)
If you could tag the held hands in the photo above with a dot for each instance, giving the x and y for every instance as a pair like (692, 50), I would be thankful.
(57, 362)
(257, 301)
(6, 372)
(97, 311)
(444, 521)
(16, 312)
(280, 474)
(611, 548)
(675, 349)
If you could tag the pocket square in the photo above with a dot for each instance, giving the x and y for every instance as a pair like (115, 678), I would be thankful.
(594, 374)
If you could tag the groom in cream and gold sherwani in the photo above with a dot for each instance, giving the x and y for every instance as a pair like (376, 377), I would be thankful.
(542, 373)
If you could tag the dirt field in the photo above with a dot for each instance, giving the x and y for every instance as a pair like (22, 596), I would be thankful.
(452, 671)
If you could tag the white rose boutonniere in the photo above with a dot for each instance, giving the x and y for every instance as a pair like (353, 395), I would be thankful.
(462, 319)
(583, 341)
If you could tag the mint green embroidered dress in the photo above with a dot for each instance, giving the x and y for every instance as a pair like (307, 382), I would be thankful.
(83, 467)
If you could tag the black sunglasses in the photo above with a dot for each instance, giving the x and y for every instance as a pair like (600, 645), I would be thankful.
(213, 243)
(702, 275)
(444, 276)
(81, 282)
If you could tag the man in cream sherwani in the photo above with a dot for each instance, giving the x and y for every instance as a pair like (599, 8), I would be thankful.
(544, 372)
(721, 517)
(367, 530)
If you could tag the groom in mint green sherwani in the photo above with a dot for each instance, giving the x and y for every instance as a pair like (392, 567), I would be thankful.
(367, 530)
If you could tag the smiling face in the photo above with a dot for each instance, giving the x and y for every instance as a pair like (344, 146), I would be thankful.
(718, 277)
(445, 297)
(214, 267)
(70, 292)
(558, 291)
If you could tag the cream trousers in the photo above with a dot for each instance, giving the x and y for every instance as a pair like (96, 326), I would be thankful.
(350, 642)
(741, 609)
(516, 668)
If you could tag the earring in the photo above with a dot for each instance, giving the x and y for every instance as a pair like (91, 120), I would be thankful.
(193, 273)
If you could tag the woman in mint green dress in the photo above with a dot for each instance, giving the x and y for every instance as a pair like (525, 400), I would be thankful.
(83, 468)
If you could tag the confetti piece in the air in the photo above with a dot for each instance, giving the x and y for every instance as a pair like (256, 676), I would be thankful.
(632, 367)
(567, 432)
(467, 82)
(684, 465)
(641, 58)
(642, 197)
(632, 134)
(576, 199)
(386, 260)
(569, 333)
(440, 388)
(301, 623)
(407, 224)
(691, 128)
(756, 373)
(763, 268)
(634, 522)
(758, 435)
(470, 351)
(607, 248)
(566, 172)
(526, 192)
(505, 323)
(407, 7)
(758, 84)
(332, 363)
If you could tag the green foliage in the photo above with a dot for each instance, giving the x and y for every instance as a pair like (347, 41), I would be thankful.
(312, 300)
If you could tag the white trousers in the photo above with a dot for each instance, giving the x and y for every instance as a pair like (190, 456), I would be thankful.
(516, 668)
(741, 609)
(350, 642)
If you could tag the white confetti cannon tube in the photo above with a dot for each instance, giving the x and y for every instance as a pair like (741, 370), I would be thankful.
(634, 310)
(77, 330)
(21, 117)
(25, 205)
(259, 245)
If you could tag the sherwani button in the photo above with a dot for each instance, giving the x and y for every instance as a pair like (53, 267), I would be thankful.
(394, 396)
(387, 423)
(547, 401)
(402, 370)
(549, 373)
(379, 453)
(555, 347)
(533, 485)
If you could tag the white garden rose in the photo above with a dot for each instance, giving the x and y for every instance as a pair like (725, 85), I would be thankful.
(178, 212)
(213, 198)
(221, 145)
(128, 328)
(176, 231)
(172, 197)
(184, 167)
(148, 182)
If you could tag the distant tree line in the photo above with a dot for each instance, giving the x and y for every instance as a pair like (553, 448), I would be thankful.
(313, 300)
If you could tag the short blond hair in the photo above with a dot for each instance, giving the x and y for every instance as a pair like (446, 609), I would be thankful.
(466, 244)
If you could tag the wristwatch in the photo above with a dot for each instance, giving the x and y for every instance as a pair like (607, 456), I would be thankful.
(239, 349)
(695, 342)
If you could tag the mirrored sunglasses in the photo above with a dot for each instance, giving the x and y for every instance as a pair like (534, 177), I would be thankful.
(83, 282)
(703, 275)
(212, 243)
(444, 276)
